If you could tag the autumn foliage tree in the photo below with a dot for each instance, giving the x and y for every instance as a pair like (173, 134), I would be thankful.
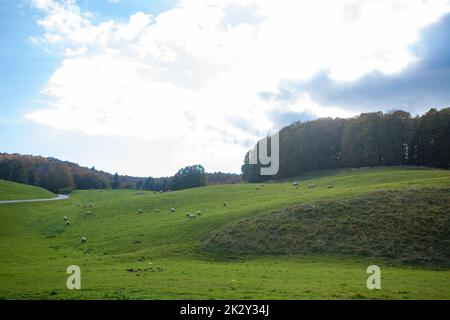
(50, 173)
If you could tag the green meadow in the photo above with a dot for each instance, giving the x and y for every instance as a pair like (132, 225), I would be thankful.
(138, 249)
(16, 191)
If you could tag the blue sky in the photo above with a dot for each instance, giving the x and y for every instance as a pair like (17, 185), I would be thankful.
(146, 87)
(122, 9)
(18, 57)
(25, 69)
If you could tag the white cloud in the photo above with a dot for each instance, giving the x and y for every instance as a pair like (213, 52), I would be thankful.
(185, 78)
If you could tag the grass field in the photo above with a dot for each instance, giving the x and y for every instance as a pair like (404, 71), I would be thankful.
(409, 226)
(134, 252)
(16, 191)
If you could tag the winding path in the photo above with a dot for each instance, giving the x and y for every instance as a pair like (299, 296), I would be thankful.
(59, 197)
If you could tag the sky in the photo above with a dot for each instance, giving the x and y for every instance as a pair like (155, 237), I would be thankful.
(145, 87)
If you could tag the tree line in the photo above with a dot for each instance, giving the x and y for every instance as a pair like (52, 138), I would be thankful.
(370, 139)
(50, 173)
(64, 177)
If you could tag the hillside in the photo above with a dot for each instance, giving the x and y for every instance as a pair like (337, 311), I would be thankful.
(17, 191)
(137, 248)
(411, 226)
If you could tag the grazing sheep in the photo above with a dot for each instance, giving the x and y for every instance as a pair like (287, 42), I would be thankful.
(296, 184)
(156, 210)
(83, 240)
(199, 213)
(91, 205)
(331, 186)
(88, 213)
(172, 210)
(65, 218)
(140, 211)
(190, 216)
(312, 186)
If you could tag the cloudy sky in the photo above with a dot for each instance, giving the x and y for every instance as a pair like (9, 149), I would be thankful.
(144, 87)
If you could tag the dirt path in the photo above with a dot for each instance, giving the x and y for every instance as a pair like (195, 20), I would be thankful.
(59, 197)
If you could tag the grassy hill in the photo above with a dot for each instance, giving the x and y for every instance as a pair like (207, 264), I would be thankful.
(411, 226)
(135, 251)
(16, 191)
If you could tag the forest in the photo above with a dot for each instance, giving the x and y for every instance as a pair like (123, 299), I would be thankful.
(64, 177)
(370, 139)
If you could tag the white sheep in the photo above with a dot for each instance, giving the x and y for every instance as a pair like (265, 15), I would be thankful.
(65, 218)
(190, 216)
(140, 211)
(331, 186)
(156, 210)
(83, 240)
(199, 213)
(87, 213)
(172, 210)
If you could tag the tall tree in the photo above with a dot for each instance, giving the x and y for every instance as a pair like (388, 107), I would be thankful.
(116, 183)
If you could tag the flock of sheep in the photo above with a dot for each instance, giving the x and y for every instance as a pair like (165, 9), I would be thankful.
(311, 185)
(190, 216)
(87, 213)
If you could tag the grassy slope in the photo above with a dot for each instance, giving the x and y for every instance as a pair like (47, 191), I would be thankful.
(36, 247)
(17, 191)
(411, 226)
